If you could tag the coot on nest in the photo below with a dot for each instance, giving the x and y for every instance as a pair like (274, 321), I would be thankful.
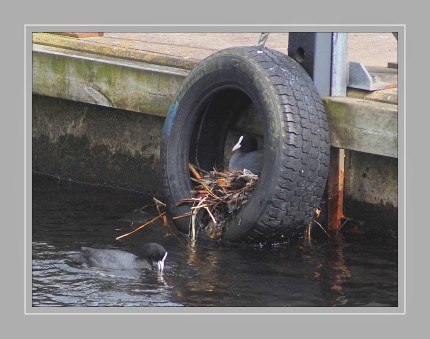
(246, 156)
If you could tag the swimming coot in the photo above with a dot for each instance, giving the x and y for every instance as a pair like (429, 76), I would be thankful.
(246, 156)
(120, 260)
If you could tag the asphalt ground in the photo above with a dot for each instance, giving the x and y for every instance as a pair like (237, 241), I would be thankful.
(371, 49)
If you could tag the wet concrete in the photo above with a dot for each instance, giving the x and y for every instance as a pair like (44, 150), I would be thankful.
(371, 192)
(95, 144)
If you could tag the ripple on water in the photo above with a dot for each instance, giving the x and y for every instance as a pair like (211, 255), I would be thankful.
(321, 273)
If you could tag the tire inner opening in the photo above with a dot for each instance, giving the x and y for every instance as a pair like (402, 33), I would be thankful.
(222, 118)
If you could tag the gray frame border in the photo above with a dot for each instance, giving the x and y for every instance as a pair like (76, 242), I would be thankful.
(401, 309)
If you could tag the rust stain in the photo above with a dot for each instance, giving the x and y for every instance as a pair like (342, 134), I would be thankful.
(336, 181)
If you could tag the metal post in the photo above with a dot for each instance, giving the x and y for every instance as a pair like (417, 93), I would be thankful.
(325, 57)
(336, 177)
(313, 52)
(339, 64)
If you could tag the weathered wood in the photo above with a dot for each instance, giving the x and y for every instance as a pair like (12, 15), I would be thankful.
(149, 52)
(355, 124)
(105, 81)
(80, 34)
(394, 65)
(389, 96)
(362, 125)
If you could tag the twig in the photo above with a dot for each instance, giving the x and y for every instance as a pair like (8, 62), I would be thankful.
(213, 219)
(142, 226)
(194, 171)
(209, 190)
(183, 216)
(308, 231)
(338, 230)
(141, 208)
(321, 227)
(219, 193)
(186, 200)
(197, 207)
(158, 202)
(193, 225)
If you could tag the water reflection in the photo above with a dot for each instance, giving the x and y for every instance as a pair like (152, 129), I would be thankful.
(339, 272)
(311, 272)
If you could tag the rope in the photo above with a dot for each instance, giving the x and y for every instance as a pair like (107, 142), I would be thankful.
(263, 39)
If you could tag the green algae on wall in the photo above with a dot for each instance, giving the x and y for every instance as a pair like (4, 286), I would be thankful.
(105, 81)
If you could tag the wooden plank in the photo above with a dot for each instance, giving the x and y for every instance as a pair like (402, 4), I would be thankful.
(393, 65)
(80, 34)
(355, 124)
(105, 81)
(388, 96)
(121, 49)
(362, 125)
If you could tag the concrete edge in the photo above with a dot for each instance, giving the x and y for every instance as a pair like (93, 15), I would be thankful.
(91, 46)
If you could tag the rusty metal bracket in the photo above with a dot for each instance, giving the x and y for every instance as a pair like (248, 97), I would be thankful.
(335, 187)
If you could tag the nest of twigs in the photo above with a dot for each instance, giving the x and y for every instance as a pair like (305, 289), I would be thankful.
(216, 196)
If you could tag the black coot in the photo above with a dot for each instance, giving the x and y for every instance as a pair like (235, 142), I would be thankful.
(120, 260)
(246, 156)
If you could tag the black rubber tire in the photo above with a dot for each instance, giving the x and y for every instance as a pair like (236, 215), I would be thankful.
(296, 139)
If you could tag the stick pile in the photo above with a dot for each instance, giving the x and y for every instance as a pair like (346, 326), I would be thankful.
(216, 196)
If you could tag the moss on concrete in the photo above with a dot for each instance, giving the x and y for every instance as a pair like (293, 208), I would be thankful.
(106, 82)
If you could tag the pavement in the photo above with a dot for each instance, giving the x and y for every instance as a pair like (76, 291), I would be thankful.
(185, 50)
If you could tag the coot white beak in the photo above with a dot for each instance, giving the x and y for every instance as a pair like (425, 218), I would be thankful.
(237, 146)
(161, 263)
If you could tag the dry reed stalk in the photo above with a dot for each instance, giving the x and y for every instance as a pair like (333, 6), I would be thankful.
(218, 195)
(141, 226)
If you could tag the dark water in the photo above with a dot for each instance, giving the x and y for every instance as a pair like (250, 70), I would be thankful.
(346, 271)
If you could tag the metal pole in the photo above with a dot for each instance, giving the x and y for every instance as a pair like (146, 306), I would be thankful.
(325, 57)
(336, 178)
(313, 52)
(339, 64)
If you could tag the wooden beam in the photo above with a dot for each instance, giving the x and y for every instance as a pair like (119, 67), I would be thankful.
(105, 81)
(80, 34)
(362, 125)
(354, 124)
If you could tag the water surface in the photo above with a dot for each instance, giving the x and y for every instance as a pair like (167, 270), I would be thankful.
(345, 271)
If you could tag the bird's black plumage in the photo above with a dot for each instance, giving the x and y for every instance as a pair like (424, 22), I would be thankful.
(246, 156)
(154, 252)
(116, 259)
